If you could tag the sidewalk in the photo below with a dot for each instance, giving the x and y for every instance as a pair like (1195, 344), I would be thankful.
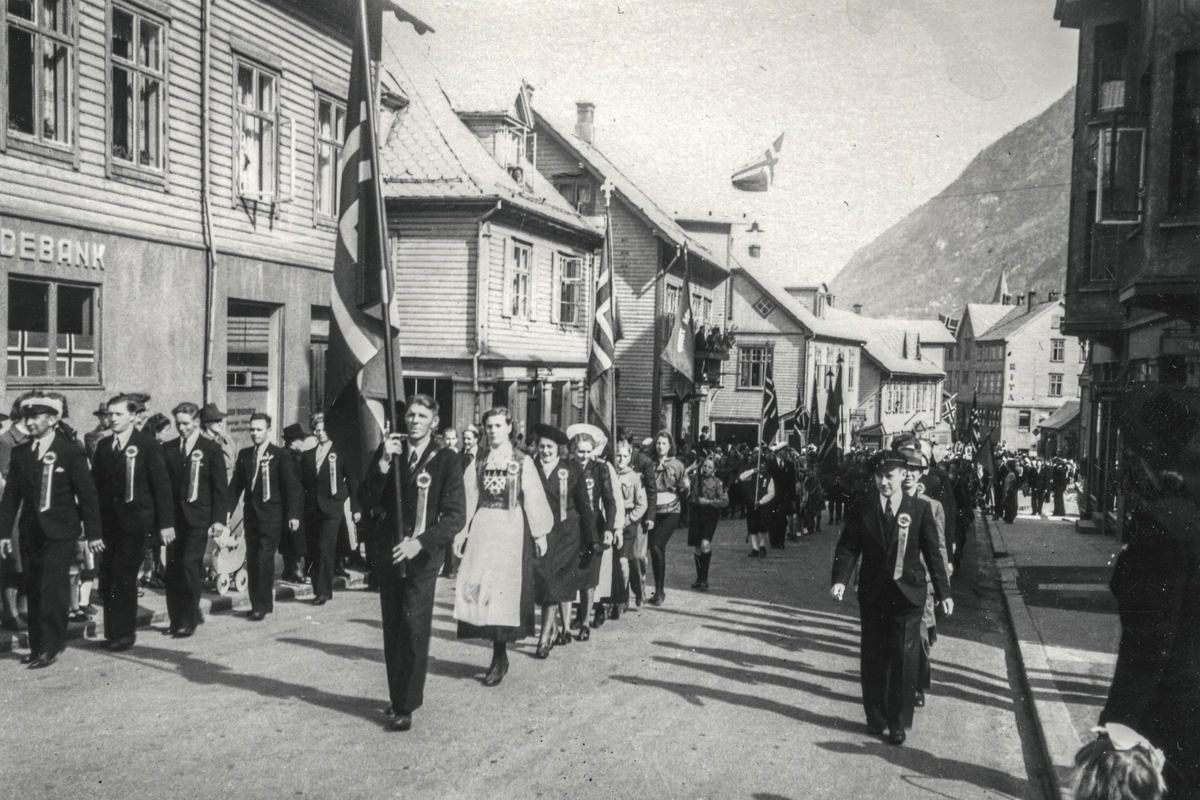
(1064, 617)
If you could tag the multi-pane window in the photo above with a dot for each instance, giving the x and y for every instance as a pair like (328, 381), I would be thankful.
(1058, 349)
(138, 86)
(1119, 174)
(1024, 418)
(519, 276)
(1108, 89)
(41, 70)
(1056, 383)
(331, 132)
(751, 367)
(764, 306)
(257, 126)
(51, 331)
(570, 290)
(851, 362)
(1184, 193)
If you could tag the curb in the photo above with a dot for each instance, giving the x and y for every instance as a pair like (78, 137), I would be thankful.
(209, 604)
(1058, 740)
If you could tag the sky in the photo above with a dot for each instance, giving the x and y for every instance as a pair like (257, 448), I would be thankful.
(882, 102)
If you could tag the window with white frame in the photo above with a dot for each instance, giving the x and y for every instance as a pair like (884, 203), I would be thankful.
(331, 132)
(51, 332)
(256, 121)
(570, 290)
(751, 367)
(138, 89)
(41, 44)
(1024, 418)
(520, 263)
(1056, 384)
(1058, 349)
(764, 306)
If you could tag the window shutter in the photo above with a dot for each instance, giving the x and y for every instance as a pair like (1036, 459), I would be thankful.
(556, 289)
(506, 293)
(534, 268)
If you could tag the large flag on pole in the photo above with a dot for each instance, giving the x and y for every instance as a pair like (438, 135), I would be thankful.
(759, 174)
(814, 416)
(833, 420)
(973, 423)
(356, 385)
(985, 456)
(770, 403)
(606, 332)
(680, 348)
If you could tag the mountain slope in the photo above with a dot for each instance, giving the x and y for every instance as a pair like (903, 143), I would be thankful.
(1007, 212)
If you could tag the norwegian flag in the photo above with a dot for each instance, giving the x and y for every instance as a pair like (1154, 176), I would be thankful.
(28, 354)
(973, 423)
(75, 355)
(770, 409)
(759, 175)
(949, 407)
(606, 332)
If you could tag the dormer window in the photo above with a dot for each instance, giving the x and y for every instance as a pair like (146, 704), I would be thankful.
(578, 193)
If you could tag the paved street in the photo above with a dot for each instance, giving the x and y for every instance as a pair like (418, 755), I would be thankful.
(749, 691)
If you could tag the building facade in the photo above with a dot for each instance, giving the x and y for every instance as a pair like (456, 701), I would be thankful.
(1132, 288)
(167, 221)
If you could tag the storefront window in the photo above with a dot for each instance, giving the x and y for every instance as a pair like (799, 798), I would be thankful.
(51, 331)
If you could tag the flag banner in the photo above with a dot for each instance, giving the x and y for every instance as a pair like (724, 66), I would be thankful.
(680, 348)
(833, 415)
(770, 404)
(759, 174)
(814, 417)
(949, 407)
(950, 322)
(973, 423)
(985, 456)
(606, 332)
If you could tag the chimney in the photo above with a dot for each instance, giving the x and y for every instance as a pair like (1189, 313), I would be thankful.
(1052, 297)
(1031, 299)
(857, 308)
(585, 119)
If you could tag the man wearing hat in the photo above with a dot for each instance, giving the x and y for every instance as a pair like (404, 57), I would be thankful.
(294, 546)
(49, 481)
(212, 426)
(268, 479)
(102, 430)
(890, 532)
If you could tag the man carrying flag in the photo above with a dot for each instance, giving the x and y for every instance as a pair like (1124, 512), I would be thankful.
(759, 174)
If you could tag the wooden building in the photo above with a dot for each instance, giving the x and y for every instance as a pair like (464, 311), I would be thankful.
(962, 373)
(649, 261)
(494, 270)
(167, 221)
(1133, 290)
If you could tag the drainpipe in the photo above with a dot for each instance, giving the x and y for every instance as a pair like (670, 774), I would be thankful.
(482, 275)
(210, 248)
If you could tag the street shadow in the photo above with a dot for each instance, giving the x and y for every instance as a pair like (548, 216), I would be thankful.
(769, 796)
(913, 760)
(208, 673)
(742, 676)
(797, 621)
(437, 666)
(440, 633)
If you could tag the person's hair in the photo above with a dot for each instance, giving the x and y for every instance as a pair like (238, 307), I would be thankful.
(450, 429)
(131, 404)
(257, 415)
(1102, 772)
(665, 434)
(316, 419)
(473, 428)
(158, 422)
(425, 401)
(191, 409)
(623, 444)
(582, 437)
(500, 411)
(139, 399)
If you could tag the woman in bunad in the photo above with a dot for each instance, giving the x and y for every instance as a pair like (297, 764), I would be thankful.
(708, 498)
(555, 575)
(631, 544)
(507, 518)
(672, 484)
(595, 565)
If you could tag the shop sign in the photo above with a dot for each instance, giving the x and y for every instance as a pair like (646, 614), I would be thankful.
(1180, 346)
(47, 249)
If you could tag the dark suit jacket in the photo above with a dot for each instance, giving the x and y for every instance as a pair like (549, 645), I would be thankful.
(446, 507)
(287, 498)
(212, 496)
(863, 535)
(940, 487)
(73, 499)
(318, 494)
(151, 509)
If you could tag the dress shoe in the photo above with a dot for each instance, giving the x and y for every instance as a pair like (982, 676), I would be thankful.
(585, 633)
(185, 632)
(563, 638)
(41, 662)
(658, 599)
(29, 659)
(754, 553)
(543, 649)
(919, 699)
(874, 730)
(497, 672)
(599, 617)
(615, 611)
(171, 631)
(402, 721)
(121, 645)
(320, 600)
(896, 736)
(256, 616)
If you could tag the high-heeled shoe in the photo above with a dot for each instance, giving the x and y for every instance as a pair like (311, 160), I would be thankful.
(543, 649)
(497, 672)
(585, 633)
(563, 638)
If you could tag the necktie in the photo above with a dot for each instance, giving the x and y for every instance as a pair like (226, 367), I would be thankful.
(889, 519)
(413, 457)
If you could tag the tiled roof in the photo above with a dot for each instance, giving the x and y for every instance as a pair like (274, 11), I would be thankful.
(824, 328)
(1016, 319)
(1063, 417)
(657, 217)
(985, 315)
(431, 154)
(885, 342)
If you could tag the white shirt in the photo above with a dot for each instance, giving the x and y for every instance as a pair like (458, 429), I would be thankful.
(42, 445)
(893, 502)
(120, 440)
(415, 452)
(189, 443)
(322, 451)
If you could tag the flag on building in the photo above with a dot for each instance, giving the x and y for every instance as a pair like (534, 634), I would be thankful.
(770, 403)
(355, 382)
(606, 332)
(759, 174)
(833, 416)
(680, 348)
(949, 407)
(950, 322)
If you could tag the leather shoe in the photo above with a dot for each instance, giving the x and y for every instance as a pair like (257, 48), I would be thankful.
(121, 645)
(657, 600)
(896, 736)
(319, 600)
(585, 633)
(171, 631)
(919, 699)
(543, 650)
(401, 722)
(497, 672)
(29, 659)
(256, 616)
(41, 662)
(563, 638)
(184, 633)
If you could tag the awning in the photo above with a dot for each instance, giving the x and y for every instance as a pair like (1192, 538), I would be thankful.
(1066, 414)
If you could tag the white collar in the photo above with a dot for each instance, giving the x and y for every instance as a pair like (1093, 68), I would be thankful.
(893, 502)
(123, 438)
(189, 444)
(419, 450)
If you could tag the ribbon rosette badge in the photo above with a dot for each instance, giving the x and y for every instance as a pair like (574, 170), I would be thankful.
(131, 451)
(423, 480)
(562, 474)
(513, 467)
(904, 520)
(197, 456)
(50, 458)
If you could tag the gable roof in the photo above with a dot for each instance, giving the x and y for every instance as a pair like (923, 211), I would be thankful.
(1017, 318)
(885, 341)
(639, 201)
(431, 154)
(822, 328)
(1064, 416)
(984, 316)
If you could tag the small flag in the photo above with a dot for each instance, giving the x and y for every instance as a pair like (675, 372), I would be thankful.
(950, 322)
(949, 407)
(680, 348)
(759, 174)
(770, 404)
